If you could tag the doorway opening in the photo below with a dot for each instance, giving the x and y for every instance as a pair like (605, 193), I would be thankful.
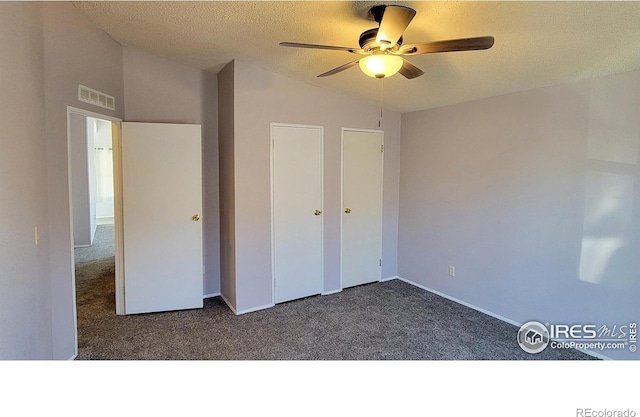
(92, 207)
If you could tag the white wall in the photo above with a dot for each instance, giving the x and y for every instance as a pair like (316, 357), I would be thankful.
(75, 52)
(260, 98)
(162, 91)
(80, 161)
(104, 168)
(533, 197)
(25, 295)
(91, 171)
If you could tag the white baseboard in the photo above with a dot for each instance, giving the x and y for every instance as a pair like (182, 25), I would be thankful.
(464, 303)
(81, 246)
(210, 295)
(390, 279)
(332, 292)
(247, 310)
(228, 303)
(490, 313)
(252, 309)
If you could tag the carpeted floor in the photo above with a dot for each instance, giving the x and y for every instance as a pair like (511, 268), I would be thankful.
(389, 320)
(103, 246)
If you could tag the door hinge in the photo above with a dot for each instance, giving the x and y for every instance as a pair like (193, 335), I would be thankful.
(379, 262)
(381, 148)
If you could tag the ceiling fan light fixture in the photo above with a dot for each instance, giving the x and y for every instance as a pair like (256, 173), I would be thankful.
(382, 47)
(380, 65)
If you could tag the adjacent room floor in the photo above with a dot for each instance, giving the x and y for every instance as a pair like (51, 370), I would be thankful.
(389, 320)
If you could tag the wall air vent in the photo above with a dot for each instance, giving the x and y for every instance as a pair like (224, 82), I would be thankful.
(91, 96)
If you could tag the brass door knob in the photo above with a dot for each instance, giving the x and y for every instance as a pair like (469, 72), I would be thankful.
(195, 217)
(347, 210)
(317, 212)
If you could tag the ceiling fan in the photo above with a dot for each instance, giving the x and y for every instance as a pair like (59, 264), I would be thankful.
(382, 48)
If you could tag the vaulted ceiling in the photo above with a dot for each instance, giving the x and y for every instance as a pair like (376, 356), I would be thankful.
(536, 43)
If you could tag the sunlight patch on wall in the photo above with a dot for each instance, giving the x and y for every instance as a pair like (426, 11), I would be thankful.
(607, 224)
(595, 257)
(609, 243)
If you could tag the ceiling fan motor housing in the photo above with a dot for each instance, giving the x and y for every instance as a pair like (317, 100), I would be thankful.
(368, 41)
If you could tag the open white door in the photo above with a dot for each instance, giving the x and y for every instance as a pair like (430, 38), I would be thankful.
(362, 211)
(162, 205)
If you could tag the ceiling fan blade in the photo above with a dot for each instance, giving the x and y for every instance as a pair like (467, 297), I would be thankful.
(468, 44)
(409, 70)
(394, 22)
(329, 47)
(340, 68)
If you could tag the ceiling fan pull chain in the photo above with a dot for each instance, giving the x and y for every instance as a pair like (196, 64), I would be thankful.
(381, 101)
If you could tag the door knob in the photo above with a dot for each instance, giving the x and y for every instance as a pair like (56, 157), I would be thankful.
(317, 212)
(347, 210)
(195, 217)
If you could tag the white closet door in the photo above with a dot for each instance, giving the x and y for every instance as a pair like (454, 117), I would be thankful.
(297, 211)
(362, 211)
(162, 202)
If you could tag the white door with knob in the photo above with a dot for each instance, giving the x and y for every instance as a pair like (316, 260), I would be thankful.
(297, 218)
(362, 159)
(162, 209)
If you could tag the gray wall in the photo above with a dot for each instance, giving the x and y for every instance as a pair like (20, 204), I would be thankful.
(25, 302)
(161, 91)
(210, 183)
(48, 49)
(75, 52)
(262, 97)
(534, 197)
(226, 108)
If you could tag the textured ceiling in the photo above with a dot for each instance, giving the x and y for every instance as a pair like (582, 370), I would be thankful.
(536, 43)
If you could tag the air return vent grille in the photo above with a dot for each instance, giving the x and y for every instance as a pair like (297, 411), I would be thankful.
(91, 96)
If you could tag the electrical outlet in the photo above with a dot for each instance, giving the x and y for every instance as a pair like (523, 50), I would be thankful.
(36, 235)
(452, 271)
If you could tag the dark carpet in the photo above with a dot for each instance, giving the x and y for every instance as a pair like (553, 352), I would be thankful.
(390, 320)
